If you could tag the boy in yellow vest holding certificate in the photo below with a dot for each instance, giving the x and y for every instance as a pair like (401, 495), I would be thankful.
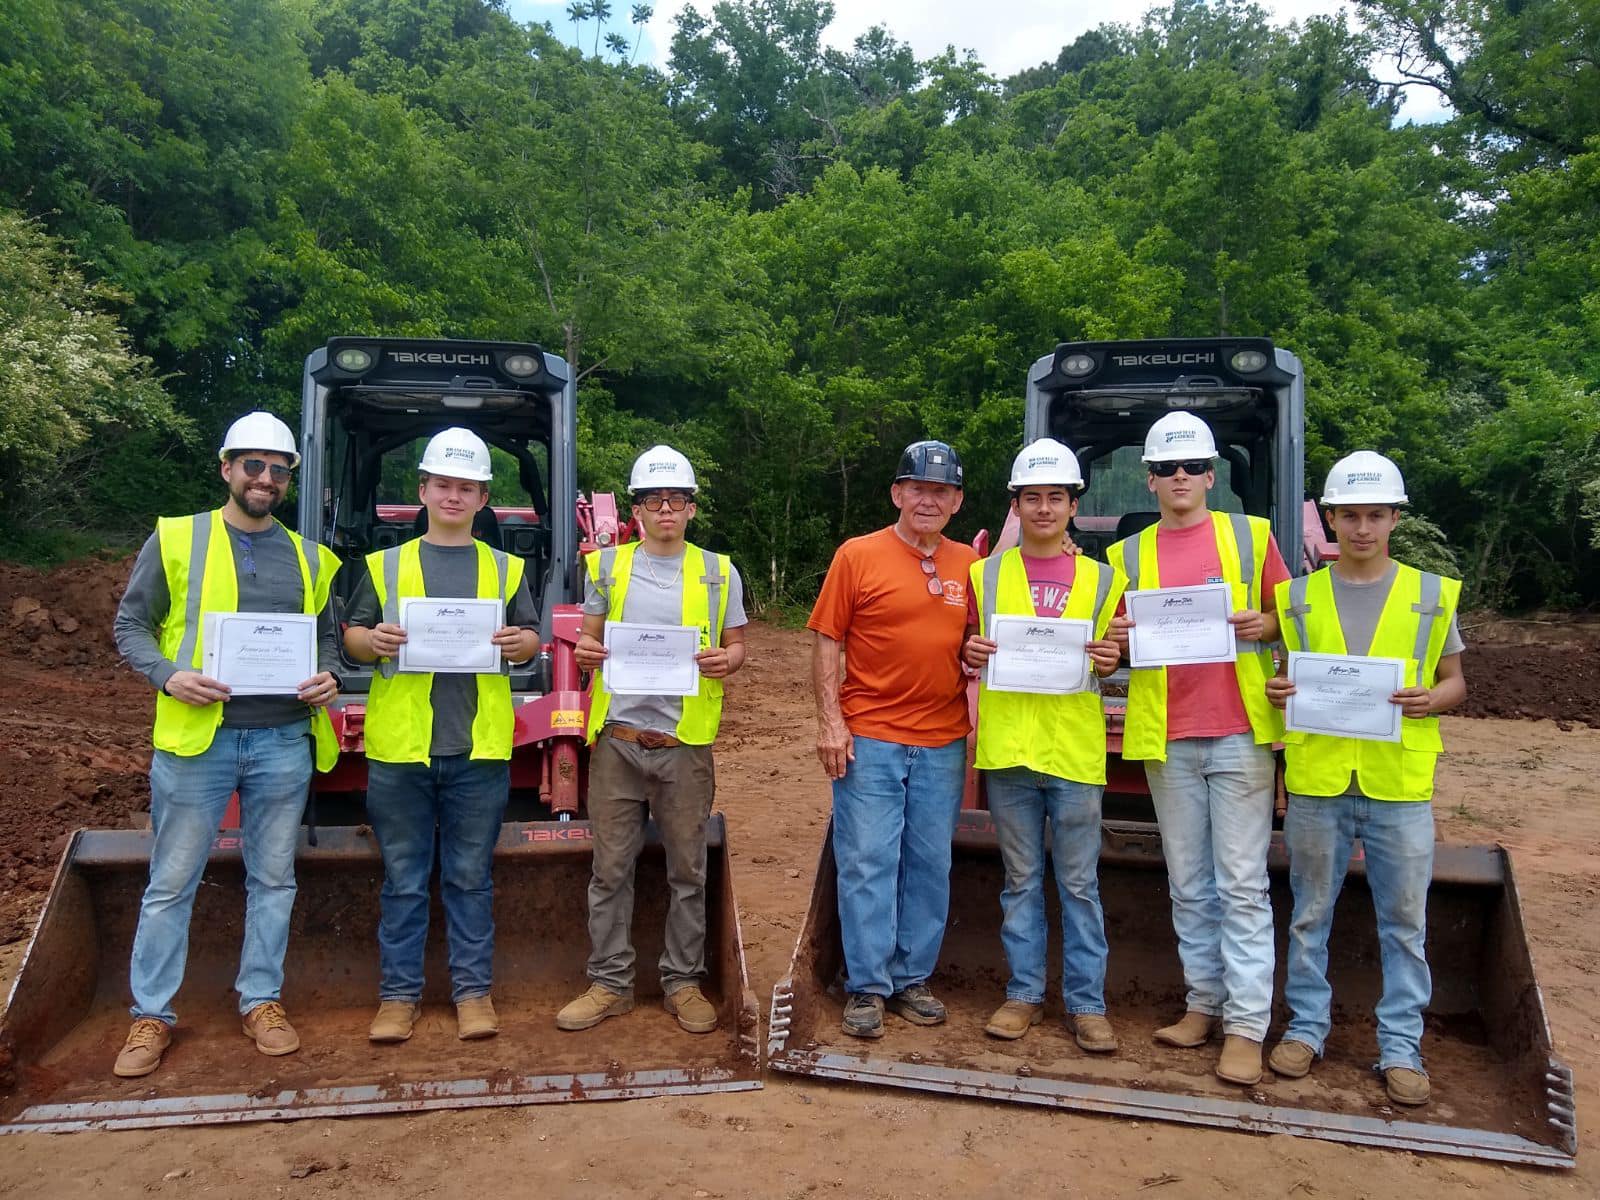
(1367, 786)
(652, 748)
(1042, 740)
(439, 742)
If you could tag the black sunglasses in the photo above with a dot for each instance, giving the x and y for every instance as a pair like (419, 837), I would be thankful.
(254, 466)
(1166, 470)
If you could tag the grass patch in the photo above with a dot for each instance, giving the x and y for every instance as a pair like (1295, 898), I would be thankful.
(46, 548)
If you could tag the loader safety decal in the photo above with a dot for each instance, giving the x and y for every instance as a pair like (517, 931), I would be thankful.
(566, 718)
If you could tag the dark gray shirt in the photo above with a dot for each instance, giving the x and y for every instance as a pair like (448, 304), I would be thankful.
(268, 571)
(655, 597)
(448, 571)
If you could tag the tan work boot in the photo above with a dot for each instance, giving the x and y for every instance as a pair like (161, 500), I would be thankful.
(269, 1026)
(1406, 1086)
(594, 1006)
(394, 1021)
(1013, 1019)
(693, 1010)
(1291, 1059)
(476, 1018)
(1093, 1032)
(1194, 1029)
(1240, 1061)
(141, 1053)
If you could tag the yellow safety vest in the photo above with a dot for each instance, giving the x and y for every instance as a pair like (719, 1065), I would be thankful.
(705, 591)
(197, 545)
(1242, 547)
(1064, 736)
(400, 709)
(1413, 625)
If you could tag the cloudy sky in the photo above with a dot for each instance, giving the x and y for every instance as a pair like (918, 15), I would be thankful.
(1008, 35)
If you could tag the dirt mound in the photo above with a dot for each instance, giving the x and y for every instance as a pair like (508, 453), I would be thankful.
(1528, 682)
(61, 617)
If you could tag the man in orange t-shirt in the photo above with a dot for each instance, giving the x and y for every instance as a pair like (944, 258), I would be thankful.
(893, 737)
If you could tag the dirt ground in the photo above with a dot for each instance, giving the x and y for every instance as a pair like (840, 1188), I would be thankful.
(73, 752)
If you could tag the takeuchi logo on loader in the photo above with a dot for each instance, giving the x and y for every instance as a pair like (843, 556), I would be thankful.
(441, 358)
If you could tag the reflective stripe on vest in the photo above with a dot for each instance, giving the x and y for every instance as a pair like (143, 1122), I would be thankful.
(399, 726)
(705, 606)
(194, 553)
(1242, 543)
(1414, 624)
(1064, 736)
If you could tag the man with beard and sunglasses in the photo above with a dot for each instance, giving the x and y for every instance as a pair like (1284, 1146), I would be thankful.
(210, 744)
(892, 736)
(1205, 733)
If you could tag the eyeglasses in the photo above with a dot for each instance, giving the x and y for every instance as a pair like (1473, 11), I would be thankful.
(676, 501)
(1166, 470)
(935, 584)
(254, 466)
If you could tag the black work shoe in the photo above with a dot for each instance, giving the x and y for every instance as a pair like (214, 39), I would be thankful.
(863, 1015)
(917, 1005)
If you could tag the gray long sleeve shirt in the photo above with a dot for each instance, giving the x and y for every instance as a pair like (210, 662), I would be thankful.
(268, 571)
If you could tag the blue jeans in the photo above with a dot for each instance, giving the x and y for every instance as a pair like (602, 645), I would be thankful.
(1024, 803)
(894, 814)
(465, 801)
(1397, 843)
(1213, 801)
(271, 770)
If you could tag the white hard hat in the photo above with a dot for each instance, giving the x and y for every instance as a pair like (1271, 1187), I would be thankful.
(1365, 477)
(1179, 437)
(259, 431)
(661, 467)
(1045, 462)
(457, 453)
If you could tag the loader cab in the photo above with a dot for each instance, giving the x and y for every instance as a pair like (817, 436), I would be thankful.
(369, 407)
(1100, 398)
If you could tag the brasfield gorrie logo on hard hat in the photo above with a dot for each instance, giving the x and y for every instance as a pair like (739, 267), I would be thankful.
(458, 452)
(1363, 477)
(1179, 435)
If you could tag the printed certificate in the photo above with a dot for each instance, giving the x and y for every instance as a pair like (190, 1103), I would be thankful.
(260, 654)
(1344, 695)
(651, 660)
(1038, 654)
(1179, 625)
(450, 636)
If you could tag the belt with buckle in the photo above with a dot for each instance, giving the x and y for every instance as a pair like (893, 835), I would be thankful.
(648, 738)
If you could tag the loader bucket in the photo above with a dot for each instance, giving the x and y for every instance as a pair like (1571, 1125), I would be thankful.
(68, 1010)
(1499, 1093)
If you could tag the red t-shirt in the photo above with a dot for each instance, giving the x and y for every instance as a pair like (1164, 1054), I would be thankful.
(1203, 698)
(1049, 582)
(903, 680)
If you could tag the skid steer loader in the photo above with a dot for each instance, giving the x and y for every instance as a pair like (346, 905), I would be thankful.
(1503, 1095)
(369, 406)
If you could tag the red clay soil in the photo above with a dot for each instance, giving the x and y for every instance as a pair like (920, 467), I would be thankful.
(1561, 683)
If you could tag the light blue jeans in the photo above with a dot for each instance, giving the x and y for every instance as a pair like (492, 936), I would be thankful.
(894, 814)
(1397, 843)
(1024, 804)
(464, 801)
(1213, 800)
(271, 770)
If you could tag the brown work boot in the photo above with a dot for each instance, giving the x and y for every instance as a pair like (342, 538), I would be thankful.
(594, 1006)
(1240, 1061)
(141, 1053)
(476, 1019)
(1194, 1029)
(693, 1010)
(1013, 1019)
(394, 1021)
(1093, 1032)
(1406, 1086)
(1292, 1059)
(269, 1025)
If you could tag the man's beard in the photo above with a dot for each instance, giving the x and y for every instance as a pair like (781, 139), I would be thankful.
(254, 506)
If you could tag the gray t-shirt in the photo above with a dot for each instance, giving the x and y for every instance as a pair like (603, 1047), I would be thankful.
(1360, 605)
(655, 597)
(448, 571)
(268, 571)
